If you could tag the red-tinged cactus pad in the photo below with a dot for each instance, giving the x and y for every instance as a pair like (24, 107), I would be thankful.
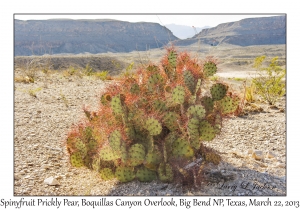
(116, 105)
(125, 174)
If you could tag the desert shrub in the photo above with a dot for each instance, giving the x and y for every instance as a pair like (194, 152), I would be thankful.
(152, 124)
(103, 75)
(269, 80)
(250, 93)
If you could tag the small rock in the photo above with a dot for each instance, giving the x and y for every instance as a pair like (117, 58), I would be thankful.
(258, 155)
(17, 176)
(51, 181)
(280, 165)
(270, 155)
(250, 151)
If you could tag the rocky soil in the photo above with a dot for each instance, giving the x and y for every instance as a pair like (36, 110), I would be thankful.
(252, 147)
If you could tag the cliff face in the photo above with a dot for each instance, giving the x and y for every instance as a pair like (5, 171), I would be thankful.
(56, 36)
(246, 32)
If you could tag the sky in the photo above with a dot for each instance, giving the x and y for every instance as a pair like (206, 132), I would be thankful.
(199, 20)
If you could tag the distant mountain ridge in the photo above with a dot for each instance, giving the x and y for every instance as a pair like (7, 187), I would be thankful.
(56, 36)
(246, 32)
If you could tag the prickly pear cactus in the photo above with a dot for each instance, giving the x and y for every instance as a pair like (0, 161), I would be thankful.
(147, 120)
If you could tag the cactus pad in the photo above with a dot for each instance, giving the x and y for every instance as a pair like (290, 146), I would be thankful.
(115, 140)
(207, 131)
(159, 105)
(80, 146)
(178, 95)
(218, 91)
(108, 154)
(153, 126)
(209, 69)
(181, 148)
(145, 175)
(136, 154)
(135, 89)
(228, 105)
(116, 105)
(153, 159)
(106, 174)
(208, 103)
(193, 131)
(189, 81)
(154, 81)
(76, 159)
(170, 120)
(165, 172)
(196, 111)
(172, 58)
(125, 174)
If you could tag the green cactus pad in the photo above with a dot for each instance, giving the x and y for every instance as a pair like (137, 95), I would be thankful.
(181, 148)
(228, 105)
(159, 105)
(193, 131)
(76, 159)
(136, 154)
(107, 154)
(189, 81)
(178, 95)
(154, 81)
(116, 105)
(208, 103)
(125, 174)
(153, 159)
(209, 69)
(170, 121)
(218, 91)
(145, 175)
(165, 172)
(172, 58)
(196, 111)
(135, 89)
(153, 126)
(107, 174)
(92, 145)
(198, 85)
(80, 146)
(115, 140)
(207, 131)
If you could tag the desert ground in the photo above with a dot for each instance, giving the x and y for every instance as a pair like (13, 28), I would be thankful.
(45, 110)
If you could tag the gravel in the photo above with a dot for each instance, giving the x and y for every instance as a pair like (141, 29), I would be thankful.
(43, 119)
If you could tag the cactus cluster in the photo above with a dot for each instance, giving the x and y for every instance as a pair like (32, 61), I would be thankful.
(148, 120)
